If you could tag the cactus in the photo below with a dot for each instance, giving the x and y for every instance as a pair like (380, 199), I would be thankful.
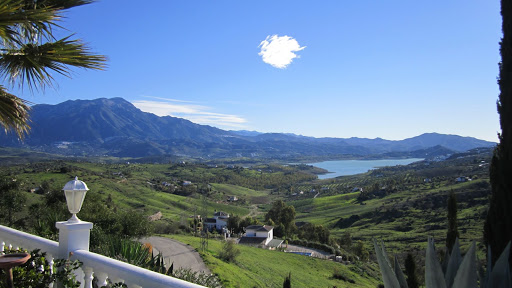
(459, 272)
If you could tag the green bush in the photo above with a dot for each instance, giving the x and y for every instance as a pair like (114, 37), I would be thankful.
(337, 274)
(36, 273)
(229, 251)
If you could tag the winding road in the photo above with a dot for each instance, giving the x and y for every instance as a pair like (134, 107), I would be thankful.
(182, 255)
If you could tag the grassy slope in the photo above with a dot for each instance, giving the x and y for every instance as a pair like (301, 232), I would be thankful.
(404, 219)
(131, 192)
(263, 268)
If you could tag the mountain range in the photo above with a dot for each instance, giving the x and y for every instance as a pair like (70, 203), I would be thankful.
(115, 127)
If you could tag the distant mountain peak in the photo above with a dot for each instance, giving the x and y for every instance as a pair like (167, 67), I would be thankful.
(114, 126)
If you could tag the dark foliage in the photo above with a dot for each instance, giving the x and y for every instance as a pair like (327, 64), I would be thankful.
(36, 272)
(288, 281)
(347, 222)
(337, 274)
(410, 271)
(282, 214)
(314, 233)
(497, 229)
(11, 199)
(453, 232)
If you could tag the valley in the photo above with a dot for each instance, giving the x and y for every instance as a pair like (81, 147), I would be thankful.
(401, 205)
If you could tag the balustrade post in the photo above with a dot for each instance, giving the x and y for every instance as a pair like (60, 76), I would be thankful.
(88, 277)
(102, 278)
(73, 236)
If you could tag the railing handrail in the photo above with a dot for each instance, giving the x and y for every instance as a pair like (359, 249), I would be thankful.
(115, 269)
(129, 273)
(29, 241)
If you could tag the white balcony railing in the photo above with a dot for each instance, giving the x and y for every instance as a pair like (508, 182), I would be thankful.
(94, 265)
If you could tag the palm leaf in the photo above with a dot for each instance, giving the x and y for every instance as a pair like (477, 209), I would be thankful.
(14, 114)
(31, 64)
(18, 23)
(58, 4)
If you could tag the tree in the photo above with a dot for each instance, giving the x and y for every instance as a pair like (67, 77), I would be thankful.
(497, 231)
(288, 281)
(248, 221)
(453, 232)
(29, 52)
(346, 240)
(314, 233)
(11, 199)
(280, 213)
(361, 251)
(410, 271)
(234, 224)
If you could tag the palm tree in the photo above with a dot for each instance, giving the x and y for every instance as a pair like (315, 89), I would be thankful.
(29, 53)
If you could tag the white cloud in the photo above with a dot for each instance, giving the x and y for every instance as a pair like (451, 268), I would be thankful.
(279, 51)
(196, 113)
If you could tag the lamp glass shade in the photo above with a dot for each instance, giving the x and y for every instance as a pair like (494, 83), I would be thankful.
(75, 191)
(75, 198)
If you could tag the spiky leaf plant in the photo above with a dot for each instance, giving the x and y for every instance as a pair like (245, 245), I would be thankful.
(460, 272)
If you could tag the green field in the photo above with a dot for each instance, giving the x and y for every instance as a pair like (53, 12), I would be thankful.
(257, 267)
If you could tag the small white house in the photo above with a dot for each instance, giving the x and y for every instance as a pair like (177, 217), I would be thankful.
(218, 222)
(260, 235)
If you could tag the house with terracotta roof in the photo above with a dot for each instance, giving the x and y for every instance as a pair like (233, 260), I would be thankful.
(261, 236)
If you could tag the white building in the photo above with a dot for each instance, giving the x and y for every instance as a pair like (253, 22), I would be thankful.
(218, 222)
(260, 235)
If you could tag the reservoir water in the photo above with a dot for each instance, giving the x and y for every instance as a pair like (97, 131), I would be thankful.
(351, 167)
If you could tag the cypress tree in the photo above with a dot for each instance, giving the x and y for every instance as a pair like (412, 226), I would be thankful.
(498, 225)
(288, 281)
(453, 232)
(410, 271)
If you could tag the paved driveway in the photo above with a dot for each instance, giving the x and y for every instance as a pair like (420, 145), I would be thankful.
(183, 256)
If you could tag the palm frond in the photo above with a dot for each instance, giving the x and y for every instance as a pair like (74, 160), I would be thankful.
(17, 23)
(31, 63)
(57, 4)
(14, 113)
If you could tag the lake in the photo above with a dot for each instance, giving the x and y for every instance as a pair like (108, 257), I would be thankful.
(351, 167)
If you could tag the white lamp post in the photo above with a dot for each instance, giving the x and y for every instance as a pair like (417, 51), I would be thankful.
(75, 191)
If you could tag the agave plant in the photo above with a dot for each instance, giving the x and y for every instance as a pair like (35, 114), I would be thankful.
(135, 253)
(455, 272)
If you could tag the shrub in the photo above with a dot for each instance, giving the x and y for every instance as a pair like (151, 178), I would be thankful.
(198, 278)
(229, 251)
(337, 274)
(36, 272)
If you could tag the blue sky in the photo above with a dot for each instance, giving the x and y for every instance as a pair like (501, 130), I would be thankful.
(389, 69)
